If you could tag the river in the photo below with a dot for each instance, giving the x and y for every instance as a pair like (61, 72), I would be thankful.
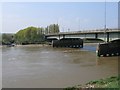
(37, 66)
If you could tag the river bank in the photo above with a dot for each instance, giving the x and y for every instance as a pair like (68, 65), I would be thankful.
(110, 82)
(48, 44)
(28, 45)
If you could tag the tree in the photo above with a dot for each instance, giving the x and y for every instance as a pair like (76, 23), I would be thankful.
(54, 28)
(46, 30)
(7, 38)
(30, 35)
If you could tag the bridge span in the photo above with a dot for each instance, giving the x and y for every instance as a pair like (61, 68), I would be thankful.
(105, 35)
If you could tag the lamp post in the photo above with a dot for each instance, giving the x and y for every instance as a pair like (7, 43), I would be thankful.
(105, 23)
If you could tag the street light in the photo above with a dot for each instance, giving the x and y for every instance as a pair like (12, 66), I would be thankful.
(105, 23)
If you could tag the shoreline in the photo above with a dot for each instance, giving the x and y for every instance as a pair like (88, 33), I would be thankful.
(28, 45)
(33, 45)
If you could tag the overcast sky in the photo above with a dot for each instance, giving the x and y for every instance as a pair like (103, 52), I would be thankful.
(69, 15)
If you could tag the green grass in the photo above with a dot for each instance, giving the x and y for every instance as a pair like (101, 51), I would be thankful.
(111, 82)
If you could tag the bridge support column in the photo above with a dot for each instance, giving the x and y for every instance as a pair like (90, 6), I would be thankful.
(59, 37)
(63, 36)
(107, 36)
(96, 35)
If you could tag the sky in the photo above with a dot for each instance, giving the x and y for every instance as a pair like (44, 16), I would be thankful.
(75, 16)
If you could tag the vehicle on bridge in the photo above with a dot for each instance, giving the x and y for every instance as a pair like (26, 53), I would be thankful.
(68, 42)
(111, 48)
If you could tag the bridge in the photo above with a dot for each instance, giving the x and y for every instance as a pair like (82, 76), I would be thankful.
(103, 34)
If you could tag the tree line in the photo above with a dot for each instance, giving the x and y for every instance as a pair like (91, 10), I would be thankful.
(29, 35)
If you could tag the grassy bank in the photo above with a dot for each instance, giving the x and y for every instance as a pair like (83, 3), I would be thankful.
(111, 82)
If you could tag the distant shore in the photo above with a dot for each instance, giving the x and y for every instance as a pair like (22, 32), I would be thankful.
(41, 45)
(28, 45)
(33, 45)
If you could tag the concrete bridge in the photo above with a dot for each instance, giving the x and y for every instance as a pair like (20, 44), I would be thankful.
(103, 34)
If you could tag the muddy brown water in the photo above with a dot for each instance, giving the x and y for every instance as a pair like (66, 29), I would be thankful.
(47, 67)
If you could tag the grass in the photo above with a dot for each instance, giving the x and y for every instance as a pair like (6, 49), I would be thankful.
(109, 83)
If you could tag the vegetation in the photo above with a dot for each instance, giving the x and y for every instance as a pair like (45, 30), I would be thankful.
(29, 35)
(6, 39)
(53, 28)
(111, 82)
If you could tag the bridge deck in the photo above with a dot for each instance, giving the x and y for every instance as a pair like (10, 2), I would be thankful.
(84, 32)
